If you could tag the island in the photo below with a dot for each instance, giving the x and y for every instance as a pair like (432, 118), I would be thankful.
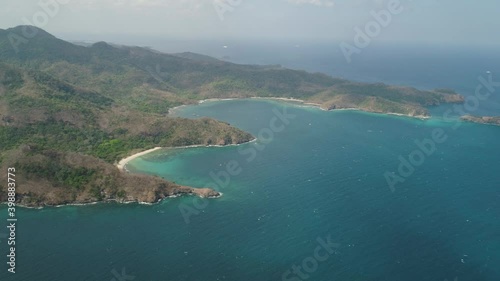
(71, 113)
(490, 120)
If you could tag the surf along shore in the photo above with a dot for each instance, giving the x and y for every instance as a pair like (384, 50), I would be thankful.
(298, 102)
(121, 165)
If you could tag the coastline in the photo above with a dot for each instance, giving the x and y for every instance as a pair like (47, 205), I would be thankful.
(317, 105)
(483, 120)
(117, 201)
(302, 103)
(173, 109)
(294, 101)
(122, 163)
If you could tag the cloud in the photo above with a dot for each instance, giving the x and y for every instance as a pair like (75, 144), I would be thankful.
(319, 3)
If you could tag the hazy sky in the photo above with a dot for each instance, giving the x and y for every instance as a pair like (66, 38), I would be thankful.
(426, 21)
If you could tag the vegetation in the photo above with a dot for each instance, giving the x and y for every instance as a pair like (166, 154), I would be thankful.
(63, 106)
(482, 120)
(57, 174)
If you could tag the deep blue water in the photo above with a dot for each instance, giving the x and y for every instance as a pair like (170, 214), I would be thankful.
(321, 175)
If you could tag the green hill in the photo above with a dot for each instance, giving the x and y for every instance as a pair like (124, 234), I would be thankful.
(68, 112)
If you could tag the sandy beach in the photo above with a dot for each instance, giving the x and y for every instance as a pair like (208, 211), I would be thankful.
(121, 165)
(172, 110)
(124, 161)
(302, 102)
(278, 98)
(215, 99)
(293, 100)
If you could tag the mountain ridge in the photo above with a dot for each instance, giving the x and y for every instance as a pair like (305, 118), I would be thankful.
(77, 110)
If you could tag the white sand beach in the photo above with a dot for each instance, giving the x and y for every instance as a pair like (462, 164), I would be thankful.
(124, 161)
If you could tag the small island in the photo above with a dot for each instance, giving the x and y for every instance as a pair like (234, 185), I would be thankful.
(71, 113)
(482, 119)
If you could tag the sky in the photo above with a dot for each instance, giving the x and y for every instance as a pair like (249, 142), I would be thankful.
(462, 22)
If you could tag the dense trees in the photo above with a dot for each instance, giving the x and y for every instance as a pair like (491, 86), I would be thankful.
(106, 101)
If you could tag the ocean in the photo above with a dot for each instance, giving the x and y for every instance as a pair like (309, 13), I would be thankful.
(309, 200)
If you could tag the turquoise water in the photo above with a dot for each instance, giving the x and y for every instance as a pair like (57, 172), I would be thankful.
(321, 175)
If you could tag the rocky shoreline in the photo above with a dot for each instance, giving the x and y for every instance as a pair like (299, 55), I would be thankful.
(488, 120)
(144, 189)
(114, 182)
(186, 191)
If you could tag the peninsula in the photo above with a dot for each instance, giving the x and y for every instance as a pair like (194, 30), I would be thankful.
(482, 120)
(70, 113)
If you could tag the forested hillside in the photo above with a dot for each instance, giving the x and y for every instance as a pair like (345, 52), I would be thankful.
(69, 112)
